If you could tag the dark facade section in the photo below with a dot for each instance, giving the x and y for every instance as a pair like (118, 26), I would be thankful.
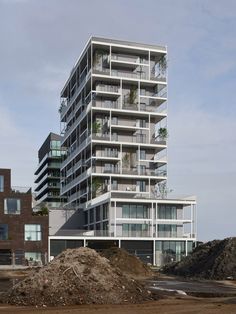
(23, 233)
(47, 173)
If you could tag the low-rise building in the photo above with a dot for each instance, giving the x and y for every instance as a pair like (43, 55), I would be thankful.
(23, 233)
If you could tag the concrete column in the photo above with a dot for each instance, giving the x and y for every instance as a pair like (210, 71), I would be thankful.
(154, 252)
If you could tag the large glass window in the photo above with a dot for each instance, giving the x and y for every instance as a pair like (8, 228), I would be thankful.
(12, 206)
(167, 230)
(3, 232)
(135, 230)
(125, 211)
(142, 186)
(33, 232)
(134, 211)
(55, 153)
(167, 212)
(55, 144)
(169, 251)
(1, 183)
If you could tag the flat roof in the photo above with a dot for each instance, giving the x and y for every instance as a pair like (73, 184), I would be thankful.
(129, 43)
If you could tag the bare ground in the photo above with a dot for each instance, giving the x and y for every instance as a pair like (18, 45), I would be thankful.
(183, 305)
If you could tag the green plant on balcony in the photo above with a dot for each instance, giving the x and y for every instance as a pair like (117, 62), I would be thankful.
(126, 160)
(44, 210)
(98, 58)
(96, 127)
(96, 186)
(163, 65)
(162, 186)
(163, 133)
(132, 96)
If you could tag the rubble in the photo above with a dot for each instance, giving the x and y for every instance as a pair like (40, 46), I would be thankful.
(213, 260)
(77, 276)
(127, 263)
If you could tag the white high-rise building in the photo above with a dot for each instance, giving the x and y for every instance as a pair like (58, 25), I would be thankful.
(114, 126)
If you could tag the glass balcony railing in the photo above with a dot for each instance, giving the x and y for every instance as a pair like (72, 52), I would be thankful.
(110, 154)
(106, 104)
(129, 58)
(107, 88)
(136, 75)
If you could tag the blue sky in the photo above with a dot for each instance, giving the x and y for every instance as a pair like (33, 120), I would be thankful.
(41, 40)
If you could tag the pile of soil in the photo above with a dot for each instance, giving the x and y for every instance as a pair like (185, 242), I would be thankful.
(213, 260)
(127, 263)
(77, 276)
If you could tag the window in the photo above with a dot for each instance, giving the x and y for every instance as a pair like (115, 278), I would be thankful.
(134, 211)
(12, 206)
(3, 232)
(33, 256)
(114, 185)
(1, 183)
(98, 216)
(33, 232)
(55, 144)
(167, 212)
(135, 230)
(142, 154)
(105, 211)
(125, 211)
(142, 186)
(91, 215)
(167, 231)
(56, 153)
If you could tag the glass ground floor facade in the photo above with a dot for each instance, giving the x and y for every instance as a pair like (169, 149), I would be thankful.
(155, 252)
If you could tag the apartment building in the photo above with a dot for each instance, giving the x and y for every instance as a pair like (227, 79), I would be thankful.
(23, 233)
(114, 128)
(48, 171)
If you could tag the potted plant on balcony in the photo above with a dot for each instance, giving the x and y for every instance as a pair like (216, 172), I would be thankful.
(126, 161)
(162, 189)
(163, 65)
(132, 96)
(96, 127)
(162, 134)
(96, 186)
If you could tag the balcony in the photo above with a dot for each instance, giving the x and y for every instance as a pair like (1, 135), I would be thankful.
(105, 170)
(66, 187)
(76, 150)
(129, 59)
(153, 105)
(100, 137)
(67, 102)
(145, 172)
(108, 88)
(128, 124)
(109, 104)
(107, 154)
(129, 74)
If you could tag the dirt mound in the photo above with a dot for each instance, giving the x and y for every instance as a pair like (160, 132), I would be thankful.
(212, 260)
(127, 263)
(76, 276)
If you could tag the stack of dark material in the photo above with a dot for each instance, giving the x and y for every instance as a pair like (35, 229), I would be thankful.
(212, 260)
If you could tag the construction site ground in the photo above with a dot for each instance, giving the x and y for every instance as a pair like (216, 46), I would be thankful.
(197, 300)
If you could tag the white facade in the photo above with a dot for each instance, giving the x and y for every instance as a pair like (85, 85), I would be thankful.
(114, 126)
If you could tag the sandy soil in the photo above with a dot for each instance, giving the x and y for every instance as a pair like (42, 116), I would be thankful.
(168, 306)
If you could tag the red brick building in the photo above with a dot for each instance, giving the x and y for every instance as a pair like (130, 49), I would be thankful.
(23, 233)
